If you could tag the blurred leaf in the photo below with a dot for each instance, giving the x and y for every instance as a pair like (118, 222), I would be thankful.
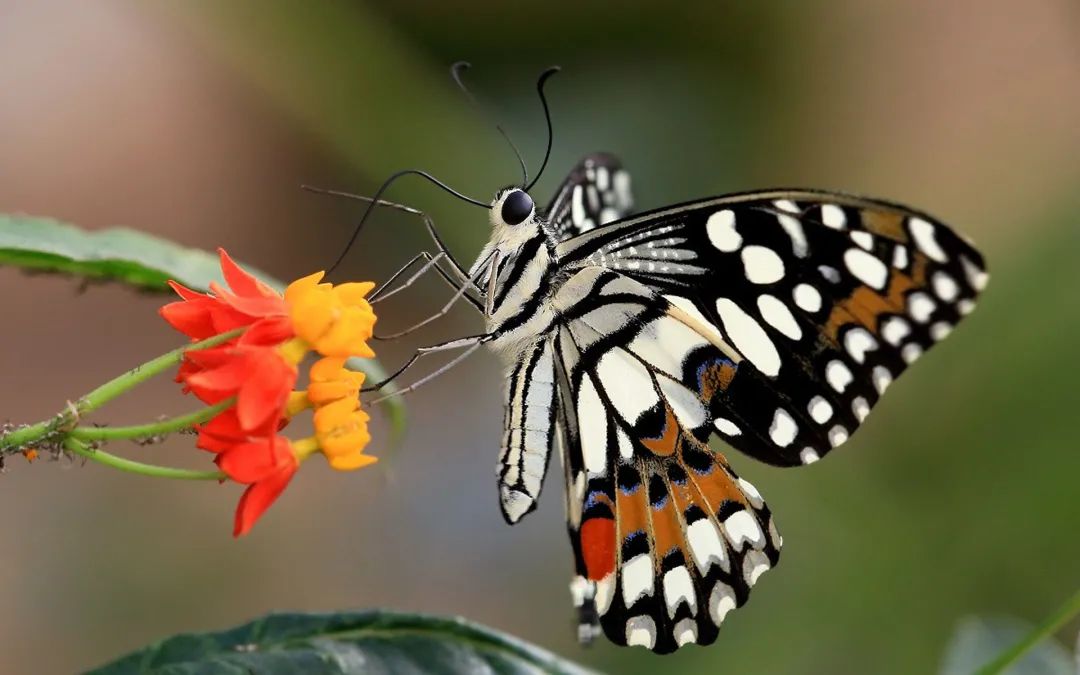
(338, 644)
(980, 640)
(133, 257)
(137, 259)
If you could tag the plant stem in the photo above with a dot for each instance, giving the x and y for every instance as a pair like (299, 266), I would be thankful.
(1010, 656)
(101, 457)
(167, 426)
(28, 435)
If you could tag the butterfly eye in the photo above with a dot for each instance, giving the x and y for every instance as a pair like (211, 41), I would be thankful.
(516, 207)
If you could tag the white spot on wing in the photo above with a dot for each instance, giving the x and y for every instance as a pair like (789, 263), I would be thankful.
(925, 237)
(809, 456)
(860, 408)
(641, 632)
(945, 286)
(833, 216)
(866, 268)
(900, 257)
(706, 545)
(865, 240)
(940, 330)
(762, 265)
(807, 298)
(777, 314)
(749, 337)
(755, 564)
(726, 426)
(679, 588)
(894, 330)
(976, 277)
(685, 632)
(721, 601)
(783, 429)
(820, 410)
(882, 379)
(837, 375)
(577, 205)
(920, 306)
(910, 352)
(721, 230)
(858, 341)
(684, 403)
(837, 435)
(592, 422)
(631, 390)
(637, 578)
(751, 493)
(740, 527)
(703, 324)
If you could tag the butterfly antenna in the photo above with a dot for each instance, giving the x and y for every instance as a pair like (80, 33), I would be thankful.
(382, 188)
(455, 71)
(547, 116)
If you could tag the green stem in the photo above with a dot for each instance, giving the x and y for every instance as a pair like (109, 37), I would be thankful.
(161, 428)
(100, 396)
(101, 457)
(1010, 656)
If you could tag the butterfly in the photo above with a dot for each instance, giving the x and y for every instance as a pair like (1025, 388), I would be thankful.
(772, 320)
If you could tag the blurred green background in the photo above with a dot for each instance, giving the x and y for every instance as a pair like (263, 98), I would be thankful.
(198, 121)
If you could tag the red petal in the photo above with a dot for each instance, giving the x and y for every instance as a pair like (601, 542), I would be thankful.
(192, 318)
(185, 292)
(242, 283)
(258, 498)
(257, 460)
(263, 393)
(268, 331)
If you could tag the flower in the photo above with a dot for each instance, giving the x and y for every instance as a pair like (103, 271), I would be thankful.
(342, 433)
(258, 371)
(200, 316)
(266, 466)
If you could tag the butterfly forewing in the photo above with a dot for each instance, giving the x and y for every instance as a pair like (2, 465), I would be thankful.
(596, 192)
(824, 300)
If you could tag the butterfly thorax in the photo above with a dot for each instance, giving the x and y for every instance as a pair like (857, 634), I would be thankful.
(516, 271)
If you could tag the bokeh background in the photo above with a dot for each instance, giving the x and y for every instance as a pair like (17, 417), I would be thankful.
(198, 121)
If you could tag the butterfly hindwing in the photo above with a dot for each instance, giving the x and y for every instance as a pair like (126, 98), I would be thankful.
(666, 537)
(596, 192)
(822, 299)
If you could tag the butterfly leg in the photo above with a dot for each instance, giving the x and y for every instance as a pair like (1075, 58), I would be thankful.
(468, 344)
(460, 292)
(430, 262)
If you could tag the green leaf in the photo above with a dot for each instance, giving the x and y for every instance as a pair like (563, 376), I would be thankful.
(137, 259)
(373, 642)
(119, 254)
(978, 641)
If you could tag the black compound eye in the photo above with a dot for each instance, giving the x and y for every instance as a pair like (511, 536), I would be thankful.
(516, 207)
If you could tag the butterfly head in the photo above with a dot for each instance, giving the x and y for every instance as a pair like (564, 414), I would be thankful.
(511, 208)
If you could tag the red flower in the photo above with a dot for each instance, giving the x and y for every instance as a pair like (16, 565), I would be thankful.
(266, 466)
(201, 315)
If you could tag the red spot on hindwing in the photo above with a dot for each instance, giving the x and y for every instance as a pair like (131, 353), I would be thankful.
(598, 547)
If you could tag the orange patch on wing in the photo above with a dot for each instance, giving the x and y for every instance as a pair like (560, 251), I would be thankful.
(717, 377)
(598, 547)
(716, 487)
(887, 224)
(632, 510)
(865, 305)
(667, 529)
(665, 445)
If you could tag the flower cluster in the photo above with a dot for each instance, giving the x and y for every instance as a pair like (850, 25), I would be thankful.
(258, 370)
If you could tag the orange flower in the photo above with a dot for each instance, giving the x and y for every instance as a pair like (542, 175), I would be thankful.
(342, 434)
(260, 368)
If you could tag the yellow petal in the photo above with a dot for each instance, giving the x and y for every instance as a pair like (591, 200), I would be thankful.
(351, 462)
(328, 369)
